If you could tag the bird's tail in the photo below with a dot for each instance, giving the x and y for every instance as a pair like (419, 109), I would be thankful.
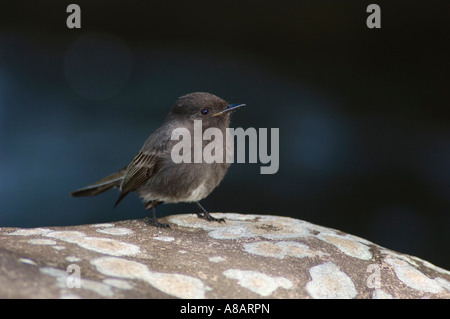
(110, 181)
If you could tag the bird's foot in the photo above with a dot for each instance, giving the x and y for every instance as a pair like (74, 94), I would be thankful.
(209, 218)
(154, 222)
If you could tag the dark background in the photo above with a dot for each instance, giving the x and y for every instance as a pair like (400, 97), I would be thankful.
(363, 113)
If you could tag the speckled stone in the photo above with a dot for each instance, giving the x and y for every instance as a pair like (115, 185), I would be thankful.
(248, 256)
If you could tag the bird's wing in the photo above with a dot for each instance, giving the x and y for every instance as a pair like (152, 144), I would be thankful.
(141, 168)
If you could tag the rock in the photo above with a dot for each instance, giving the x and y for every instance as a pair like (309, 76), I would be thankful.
(249, 256)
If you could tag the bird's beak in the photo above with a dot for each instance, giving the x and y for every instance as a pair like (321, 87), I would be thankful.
(230, 108)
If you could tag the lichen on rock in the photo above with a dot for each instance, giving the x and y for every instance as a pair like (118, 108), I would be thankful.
(248, 256)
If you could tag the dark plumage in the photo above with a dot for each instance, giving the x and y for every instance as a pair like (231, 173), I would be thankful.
(155, 177)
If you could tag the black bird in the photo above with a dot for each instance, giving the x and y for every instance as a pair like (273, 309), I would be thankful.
(153, 174)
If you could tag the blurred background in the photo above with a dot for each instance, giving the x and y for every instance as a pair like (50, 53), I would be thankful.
(362, 113)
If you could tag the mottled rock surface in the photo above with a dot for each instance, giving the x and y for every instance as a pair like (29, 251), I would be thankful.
(249, 256)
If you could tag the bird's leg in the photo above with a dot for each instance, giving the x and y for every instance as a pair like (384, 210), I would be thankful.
(154, 220)
(207, 216)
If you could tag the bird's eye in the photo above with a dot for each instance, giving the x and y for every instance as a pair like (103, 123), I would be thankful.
(204, 111)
